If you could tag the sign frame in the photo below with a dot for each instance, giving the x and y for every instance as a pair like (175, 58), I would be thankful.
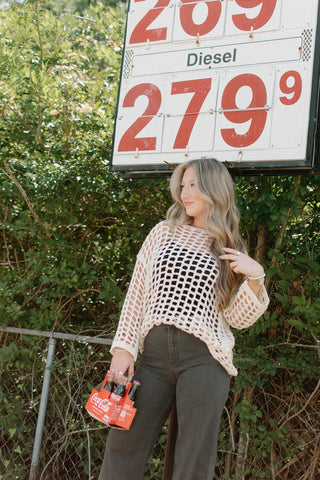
(310, 165)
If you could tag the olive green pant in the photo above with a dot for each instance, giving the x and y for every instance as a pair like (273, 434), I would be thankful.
(175, 367)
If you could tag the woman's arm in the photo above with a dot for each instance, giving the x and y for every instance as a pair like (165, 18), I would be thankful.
(127, 334)
(252, 299)
(126, 341)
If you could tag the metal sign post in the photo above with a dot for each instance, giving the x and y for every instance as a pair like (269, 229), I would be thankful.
(237, 80)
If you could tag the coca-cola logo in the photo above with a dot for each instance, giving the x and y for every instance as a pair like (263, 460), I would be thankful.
(103, 403)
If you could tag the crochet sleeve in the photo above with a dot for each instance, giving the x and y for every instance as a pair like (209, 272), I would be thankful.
(246, 308)
(128, 330)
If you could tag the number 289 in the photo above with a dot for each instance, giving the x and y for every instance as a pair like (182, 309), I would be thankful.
(144, 32)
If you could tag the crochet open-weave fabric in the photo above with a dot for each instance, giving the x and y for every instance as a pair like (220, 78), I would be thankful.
(173, 283)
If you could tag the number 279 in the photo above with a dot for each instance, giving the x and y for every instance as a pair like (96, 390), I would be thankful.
(290, 85)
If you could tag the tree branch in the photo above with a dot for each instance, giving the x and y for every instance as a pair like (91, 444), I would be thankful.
(25, 196)
(39, 139)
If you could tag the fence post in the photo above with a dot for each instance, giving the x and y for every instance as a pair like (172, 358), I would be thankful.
(42, 409)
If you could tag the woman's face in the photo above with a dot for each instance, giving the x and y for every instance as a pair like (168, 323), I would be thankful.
(194, 205)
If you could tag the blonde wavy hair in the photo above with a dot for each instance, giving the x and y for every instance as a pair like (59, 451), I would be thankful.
(215, 185)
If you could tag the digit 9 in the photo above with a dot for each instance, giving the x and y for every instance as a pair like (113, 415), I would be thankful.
(242, 22)
(295, 88)
(232, 112)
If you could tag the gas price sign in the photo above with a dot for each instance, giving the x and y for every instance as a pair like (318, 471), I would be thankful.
(236, 80)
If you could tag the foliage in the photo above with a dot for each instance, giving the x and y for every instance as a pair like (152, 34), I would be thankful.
(65, 222)
(70, 230)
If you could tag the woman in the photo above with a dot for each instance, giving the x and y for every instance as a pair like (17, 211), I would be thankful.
(192, 281)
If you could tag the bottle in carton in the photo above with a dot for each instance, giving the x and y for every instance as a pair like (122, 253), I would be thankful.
(127, 410)
(119, 391)
(109, 383)
(133, 390)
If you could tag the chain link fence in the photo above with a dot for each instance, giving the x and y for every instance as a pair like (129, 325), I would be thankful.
(46, 432)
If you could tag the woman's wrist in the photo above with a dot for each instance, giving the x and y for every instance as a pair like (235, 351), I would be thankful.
(257, 278)
(120, 349)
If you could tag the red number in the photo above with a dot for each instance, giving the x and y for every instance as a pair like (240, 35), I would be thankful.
(242, 22)
(129, 141)
(296, 88)
(258, 117)
(141, 33)
(188, 25)
(200, 88)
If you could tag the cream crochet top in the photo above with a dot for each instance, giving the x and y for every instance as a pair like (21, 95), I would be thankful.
(173, 284)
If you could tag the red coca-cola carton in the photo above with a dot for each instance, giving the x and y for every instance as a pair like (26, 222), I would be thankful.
(112, 408)
(124, 414)
(99, 406)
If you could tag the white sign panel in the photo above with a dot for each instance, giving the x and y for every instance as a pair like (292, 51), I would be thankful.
(230, 79)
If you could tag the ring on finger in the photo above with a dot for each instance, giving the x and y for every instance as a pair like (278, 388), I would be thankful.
(238, 253)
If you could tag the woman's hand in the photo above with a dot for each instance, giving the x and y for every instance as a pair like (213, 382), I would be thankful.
(122, 362)
(241, 263)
